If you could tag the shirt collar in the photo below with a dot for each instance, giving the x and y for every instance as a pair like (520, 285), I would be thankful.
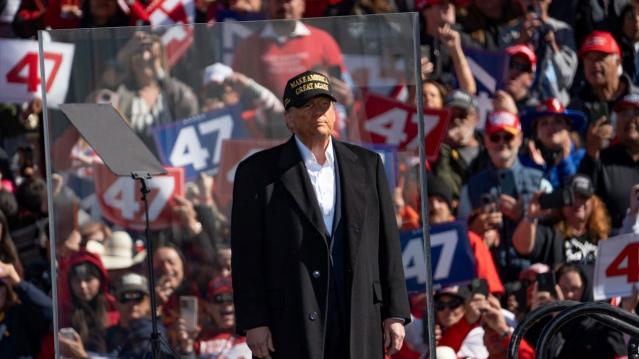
(309, 157)
(299, 31)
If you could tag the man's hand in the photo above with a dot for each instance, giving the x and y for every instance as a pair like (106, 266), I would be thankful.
(510, 207)
(393, 335)
(598, 136)
(260, 342)
(72, 347)
(493, 317)
(475, 307)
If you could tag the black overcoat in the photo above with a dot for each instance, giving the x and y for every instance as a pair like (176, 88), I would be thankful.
(281, 258)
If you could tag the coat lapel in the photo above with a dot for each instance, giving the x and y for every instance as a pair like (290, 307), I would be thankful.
(352, 176)
(295, 179)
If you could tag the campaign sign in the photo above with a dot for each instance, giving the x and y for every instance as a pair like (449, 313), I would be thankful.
(20, 70)
(490, 70)
(233, 152)
(617, 267)
(176, 39)
(452, 258)
(121, 202)
(388, 121)
(388, 153)
(195, 143)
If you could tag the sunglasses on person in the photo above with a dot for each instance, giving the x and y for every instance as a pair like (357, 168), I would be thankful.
(127, 297)
(501, 136)
(223, 298)
(451, 304)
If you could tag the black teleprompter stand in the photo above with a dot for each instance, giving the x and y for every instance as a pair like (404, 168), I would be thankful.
(99, 125)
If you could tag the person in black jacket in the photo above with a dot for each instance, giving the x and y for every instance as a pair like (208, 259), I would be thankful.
(25, 315)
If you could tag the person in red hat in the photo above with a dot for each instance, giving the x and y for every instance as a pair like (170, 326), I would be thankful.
(550, 146)
(553, 42)
(606, 83)
(522, 69)
(218, 338)
(494, 199)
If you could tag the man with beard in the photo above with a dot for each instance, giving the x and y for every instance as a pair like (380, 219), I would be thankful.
(495, 197)
(615, 170)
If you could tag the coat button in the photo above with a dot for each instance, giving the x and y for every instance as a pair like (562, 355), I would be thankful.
(316, 274)
(313, 316)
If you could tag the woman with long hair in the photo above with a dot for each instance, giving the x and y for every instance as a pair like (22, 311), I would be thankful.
(87, 305)
(573, 239)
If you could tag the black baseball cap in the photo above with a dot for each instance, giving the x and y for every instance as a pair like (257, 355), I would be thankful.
(305, 86)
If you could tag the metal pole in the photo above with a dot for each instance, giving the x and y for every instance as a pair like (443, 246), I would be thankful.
(49, 171)
(155, 335)
(430, 309)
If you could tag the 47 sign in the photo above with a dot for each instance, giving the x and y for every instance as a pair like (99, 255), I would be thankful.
(20, 70)
(120, 199)
(195, 143)
(617, 266)
(391, 122)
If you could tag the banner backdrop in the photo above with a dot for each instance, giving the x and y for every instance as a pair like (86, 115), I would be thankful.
(20, 71)
(452, 257)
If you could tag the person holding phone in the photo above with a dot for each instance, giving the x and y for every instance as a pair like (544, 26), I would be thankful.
(582, 224)
(218, 338)
(509, 184)
(458, 310)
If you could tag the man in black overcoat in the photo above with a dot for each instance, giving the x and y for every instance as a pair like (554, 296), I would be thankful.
(317, 267)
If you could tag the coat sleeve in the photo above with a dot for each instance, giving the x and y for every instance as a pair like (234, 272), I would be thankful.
(390, 256)
(247, 243)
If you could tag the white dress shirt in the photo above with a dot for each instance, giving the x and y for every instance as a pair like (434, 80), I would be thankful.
(323, 180)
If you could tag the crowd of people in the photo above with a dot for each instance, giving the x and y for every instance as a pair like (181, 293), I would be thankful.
(549, 171)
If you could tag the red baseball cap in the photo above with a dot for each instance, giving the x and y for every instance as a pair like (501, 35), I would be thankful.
(219, 285)
(600, 41)
(502, 121)
(523, 51)
(421, 4)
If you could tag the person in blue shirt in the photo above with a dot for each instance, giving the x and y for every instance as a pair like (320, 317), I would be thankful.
(551, 148)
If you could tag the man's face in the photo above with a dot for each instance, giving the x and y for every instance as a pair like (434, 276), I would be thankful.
(133, 306)
(628, 126)
(440, 14)
(552, 131)
(631, 24)
(502, 147)
(438, 210)
(222, 311)
(168, 264)
(520, 77)
(286, 9)
(600, 68)
(314, 119)
(461, 127)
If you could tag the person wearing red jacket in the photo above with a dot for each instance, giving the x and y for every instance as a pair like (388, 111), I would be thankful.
(86, 303)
